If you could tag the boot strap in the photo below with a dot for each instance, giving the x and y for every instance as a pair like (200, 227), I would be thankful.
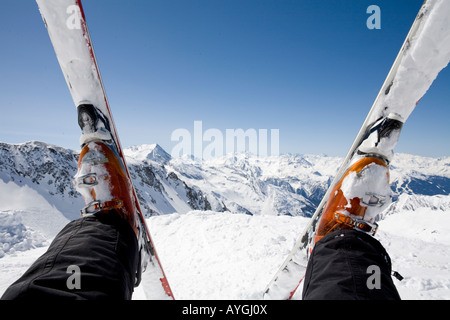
(97, 206)
(357, 224)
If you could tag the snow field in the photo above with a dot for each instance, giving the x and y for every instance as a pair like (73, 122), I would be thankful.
(418, 242)
(209, 255)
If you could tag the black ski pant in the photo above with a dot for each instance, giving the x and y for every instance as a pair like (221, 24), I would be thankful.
(349, 265)
(91, 258)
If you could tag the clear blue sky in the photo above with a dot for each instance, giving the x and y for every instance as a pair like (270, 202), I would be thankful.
(309, 68)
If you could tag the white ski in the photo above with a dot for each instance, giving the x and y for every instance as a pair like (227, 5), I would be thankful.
(425, 52)
(67, 28)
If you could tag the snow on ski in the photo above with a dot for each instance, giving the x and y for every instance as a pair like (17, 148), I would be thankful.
(66, 24)
(425, 52)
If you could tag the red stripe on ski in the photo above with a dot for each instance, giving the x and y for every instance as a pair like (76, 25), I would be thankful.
(291, 294)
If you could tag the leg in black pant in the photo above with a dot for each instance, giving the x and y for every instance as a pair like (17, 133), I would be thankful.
(351, 265)
(102, 248)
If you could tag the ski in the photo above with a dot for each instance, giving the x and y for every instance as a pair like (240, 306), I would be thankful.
(66, 24)
(424, 53)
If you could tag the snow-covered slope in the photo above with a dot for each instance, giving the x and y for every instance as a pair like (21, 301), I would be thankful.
(286, 185)
(416, 233)
(44, 168)
(295, 184)
(420, 175)
(49, 170)
(230, 221)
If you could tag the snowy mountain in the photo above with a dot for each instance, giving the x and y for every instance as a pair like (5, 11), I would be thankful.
(239, 183)
(284, 185)
(161, 191)
(44, 168)
(49, 171)
(228, 221)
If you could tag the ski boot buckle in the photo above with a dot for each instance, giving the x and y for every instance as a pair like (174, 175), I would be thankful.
(357, 224)
(88, 180)
(97, 206)
(374, 200)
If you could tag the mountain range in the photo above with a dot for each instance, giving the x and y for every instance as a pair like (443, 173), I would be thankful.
(240, 183)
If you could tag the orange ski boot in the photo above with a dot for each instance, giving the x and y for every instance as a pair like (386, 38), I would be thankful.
(104, 184)
(359, 196)
(102, 177)
(363, 191)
